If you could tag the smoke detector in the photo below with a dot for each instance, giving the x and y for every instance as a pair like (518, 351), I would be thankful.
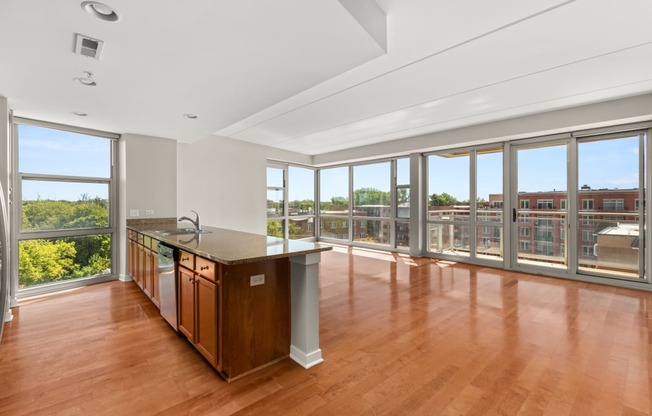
(89, 47)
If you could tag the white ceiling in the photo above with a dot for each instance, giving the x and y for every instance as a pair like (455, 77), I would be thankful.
(313, 76)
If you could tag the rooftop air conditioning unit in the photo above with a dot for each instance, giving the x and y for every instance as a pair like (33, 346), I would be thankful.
(87, 46)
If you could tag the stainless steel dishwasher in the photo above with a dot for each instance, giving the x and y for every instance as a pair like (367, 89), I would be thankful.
(167, 272)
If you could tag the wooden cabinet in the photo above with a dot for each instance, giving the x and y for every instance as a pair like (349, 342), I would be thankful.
(142, 264)
(187, 302)
(256, 319)
(237, 322)
(237, 327)
(206, 307)
(198, 305)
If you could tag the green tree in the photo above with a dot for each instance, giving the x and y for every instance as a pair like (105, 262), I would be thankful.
(403, 196)
(295, 231)
(49, 260)
(42, 261)
(370, 196)
(274, 229)
(442, 199)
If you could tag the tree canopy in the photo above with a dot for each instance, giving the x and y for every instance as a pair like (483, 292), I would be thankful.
(55, 259)
(442, 199)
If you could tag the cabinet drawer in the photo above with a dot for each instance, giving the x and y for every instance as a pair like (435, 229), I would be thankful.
(206, 268)
(187, 260)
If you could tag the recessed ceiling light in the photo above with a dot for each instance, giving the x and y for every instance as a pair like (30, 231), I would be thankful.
(190, 116)
(79, 113)
(100, 10)
(89, 82)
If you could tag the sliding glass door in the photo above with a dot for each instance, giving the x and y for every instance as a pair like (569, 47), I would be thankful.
(465, 204)
(610, 220)
(540, 205)
(577, 205)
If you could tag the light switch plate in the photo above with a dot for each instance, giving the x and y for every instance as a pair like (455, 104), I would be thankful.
(257, 280)
(149, 212)
(134, 212)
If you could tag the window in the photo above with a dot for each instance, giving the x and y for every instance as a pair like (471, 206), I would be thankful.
(66, 183)
(636, 204)
(334, 201)
(525, 218)
(486, 230)
(401, 185)
(290, 201)
(562, 204)
(275, 202)
(544, 248)
(524, 232)
(524, 245)
(611, 169)
(562, 234)
(372, 199)
(613, 205)
(543, 235)
(497, 204)
(544, 203)
(525, 203)
(544, 221)
(301, 202)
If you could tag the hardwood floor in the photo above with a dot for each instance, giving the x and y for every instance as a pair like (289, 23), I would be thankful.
(399, 336)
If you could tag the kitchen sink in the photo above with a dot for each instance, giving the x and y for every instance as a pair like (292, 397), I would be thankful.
(180, 231)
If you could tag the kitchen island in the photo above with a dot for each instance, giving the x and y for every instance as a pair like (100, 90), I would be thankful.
(245, 301)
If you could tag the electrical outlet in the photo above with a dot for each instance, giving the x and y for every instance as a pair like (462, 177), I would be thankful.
(257, 280)
(149, 212)
(134, 212)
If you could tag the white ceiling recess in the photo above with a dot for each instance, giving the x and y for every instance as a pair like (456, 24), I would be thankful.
(454, 64)
(318, 77)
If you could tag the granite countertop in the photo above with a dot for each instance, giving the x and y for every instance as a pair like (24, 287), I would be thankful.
(230, 247)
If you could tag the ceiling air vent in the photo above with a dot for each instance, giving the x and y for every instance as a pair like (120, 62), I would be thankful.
(89, 47)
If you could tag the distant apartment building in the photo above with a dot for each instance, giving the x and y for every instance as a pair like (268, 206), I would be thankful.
(607, 226)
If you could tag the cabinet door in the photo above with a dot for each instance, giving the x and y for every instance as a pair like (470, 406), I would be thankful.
(130, 258)
(206, 310)
(140, 265)
(147, 273)
(187, 303)
(156, 296)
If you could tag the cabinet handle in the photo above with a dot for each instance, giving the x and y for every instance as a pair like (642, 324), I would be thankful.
(185, 258)
(204, 268)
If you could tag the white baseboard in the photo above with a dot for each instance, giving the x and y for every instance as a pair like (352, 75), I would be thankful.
(306, 360)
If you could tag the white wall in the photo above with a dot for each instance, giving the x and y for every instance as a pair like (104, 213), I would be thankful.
(225, 181)
(150, 176)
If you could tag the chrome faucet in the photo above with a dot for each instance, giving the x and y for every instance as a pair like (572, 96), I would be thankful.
(196, 222)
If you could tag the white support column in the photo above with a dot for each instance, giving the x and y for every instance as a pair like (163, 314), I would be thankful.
(304, 348)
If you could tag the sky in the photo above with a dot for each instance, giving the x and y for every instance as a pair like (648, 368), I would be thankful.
(48, 151)
(602, 164)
